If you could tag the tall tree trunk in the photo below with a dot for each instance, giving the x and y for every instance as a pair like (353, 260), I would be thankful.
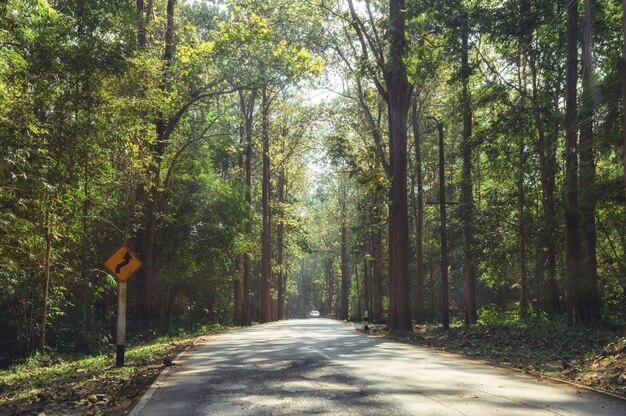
(521, 226)
(329, 287)
(46, 278)
(144, 13)
(377, 268)
(280, 239)
(345, 272)
(266, 245)
(431, 287)
(358, 291)
(572, 250)
(366, 285)
(148, 237)
(445, 308)
(467, 203)
(546, 148)
(418, 211)
(84, 249)
(525, 37)
(237, 315)
(398, 105)
(140, 194)
(623, 68)
(589, 298)
(247, 109)
(237, 295)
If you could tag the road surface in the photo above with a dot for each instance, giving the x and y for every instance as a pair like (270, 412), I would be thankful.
(320, 366)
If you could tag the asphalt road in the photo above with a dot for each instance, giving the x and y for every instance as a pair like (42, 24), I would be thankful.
(319, 366)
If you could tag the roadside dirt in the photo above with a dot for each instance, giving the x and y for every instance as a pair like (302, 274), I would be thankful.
(89, 391)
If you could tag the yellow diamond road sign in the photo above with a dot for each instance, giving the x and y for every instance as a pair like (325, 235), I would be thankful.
(123, 263)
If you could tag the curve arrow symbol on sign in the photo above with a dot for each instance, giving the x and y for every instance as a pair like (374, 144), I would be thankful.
(127, 259)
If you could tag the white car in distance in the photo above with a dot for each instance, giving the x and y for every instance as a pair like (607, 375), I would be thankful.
(314, 314)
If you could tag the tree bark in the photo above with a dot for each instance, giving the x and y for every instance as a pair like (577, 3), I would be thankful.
(546, 148)
(163, 127)
(237, 297)
(572, 249)
(623, 68)
(280, 239)
(345, 273)
(329, 287)
(247, 109)
(265, 314)
(589, 299)
(358, 292)
(366, 285)
(46, 279)
(467, 203)
(525, 37)
(521, 226)
(398, 105)
(418, 211)
(445, 308)
(377, 269)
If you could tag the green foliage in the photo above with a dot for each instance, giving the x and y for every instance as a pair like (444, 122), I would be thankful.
(103, 141)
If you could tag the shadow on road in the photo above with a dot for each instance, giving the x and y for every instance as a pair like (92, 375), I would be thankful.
(321, 366)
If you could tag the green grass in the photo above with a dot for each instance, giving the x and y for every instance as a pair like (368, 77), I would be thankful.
(71, 377)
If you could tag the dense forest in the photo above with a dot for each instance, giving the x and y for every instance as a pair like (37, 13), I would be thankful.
(448, 161)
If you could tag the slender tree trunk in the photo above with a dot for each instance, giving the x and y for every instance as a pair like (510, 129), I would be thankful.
(377, 269)
(546, 149)
(623, 67)
(345, 272)
(590, 303)
(247, 109)
(144, 11)
(398, 105)
(266, 245)
(524, 39)
(467, 203)
(572, 250)
(142, 275)
(366, 285)
(148, 245)
(521, 226)
(84, 250)
(418, 211)
(431, 287)
(46, 279)
(329, 287)
(445, 308)
(280, 239)
(237, 315)
(237, 296)
(358, 291)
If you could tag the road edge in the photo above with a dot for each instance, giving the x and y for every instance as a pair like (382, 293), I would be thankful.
(148, 394)
(528, 373)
